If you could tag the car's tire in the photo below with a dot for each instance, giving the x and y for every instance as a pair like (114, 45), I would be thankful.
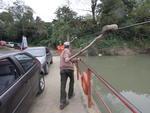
(46, 69)
(41, 84)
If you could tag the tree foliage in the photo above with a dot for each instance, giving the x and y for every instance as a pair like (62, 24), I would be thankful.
(123, 13)
(62, 27)
(93, 7)
(18, 20)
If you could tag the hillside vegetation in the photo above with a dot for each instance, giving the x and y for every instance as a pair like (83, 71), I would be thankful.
(17, 20)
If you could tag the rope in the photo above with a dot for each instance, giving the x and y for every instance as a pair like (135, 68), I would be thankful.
(132, 25)
(121, 28)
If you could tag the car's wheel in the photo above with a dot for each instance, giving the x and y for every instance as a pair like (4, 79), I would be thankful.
(46, 69)
(41, 84)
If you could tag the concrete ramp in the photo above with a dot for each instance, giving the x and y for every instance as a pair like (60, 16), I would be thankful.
(48, 102)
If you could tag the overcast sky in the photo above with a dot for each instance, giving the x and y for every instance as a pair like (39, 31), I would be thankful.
(46, 8)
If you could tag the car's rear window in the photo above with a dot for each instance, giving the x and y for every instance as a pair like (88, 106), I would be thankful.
(39, 52)
(25, 60)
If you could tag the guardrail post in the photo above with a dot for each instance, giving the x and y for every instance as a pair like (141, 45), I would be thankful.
(86, 85)
(89, 91)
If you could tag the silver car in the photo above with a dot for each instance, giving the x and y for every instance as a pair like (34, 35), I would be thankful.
(43, 55)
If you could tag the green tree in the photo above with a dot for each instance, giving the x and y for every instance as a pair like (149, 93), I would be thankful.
(39, 32)
(7, 26)
(62, 26)
(123, 13)
(93, 7)
(65, 14)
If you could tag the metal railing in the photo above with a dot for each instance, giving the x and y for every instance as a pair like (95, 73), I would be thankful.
(89, 72)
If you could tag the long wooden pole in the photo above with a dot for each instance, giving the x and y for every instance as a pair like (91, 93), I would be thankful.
(104, 31)
(88, 46)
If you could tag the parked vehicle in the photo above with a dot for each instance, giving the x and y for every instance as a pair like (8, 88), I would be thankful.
(10, 44)
(17, 46)
(2, 43)
(20, 82)
(44, 55)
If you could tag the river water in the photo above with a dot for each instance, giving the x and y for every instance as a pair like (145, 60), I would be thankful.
(130, 75)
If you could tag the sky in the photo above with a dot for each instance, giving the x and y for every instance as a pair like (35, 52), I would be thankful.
(46, 8)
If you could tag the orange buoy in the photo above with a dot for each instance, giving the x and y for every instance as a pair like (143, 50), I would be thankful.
(85, 83)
